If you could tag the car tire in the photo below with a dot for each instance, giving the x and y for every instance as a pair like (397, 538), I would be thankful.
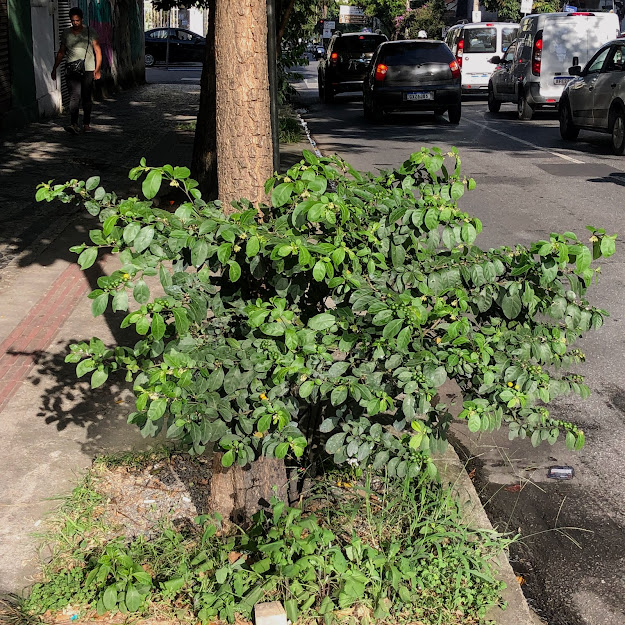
(493, 104)
(439, 111)
(524, 108)
(617, 130)
(568, 130)
(328, 94)
(454, 112)
(149, 59)
(372, 112)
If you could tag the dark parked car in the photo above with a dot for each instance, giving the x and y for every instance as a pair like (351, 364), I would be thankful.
(595, 98)
(412, 75)
(345, 64)
(184, 46)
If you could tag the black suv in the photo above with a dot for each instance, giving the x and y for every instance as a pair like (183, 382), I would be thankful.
(417, 75)
(345, 64)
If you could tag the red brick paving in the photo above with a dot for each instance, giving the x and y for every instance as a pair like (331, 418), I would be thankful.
(36, 331)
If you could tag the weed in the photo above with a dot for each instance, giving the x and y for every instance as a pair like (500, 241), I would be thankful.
(362, 546)
(290, 128)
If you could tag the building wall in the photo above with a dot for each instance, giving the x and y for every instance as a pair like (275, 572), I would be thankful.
(21, 72)
(45, 45)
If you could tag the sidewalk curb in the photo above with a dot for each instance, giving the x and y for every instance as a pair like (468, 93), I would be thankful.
(453, 474)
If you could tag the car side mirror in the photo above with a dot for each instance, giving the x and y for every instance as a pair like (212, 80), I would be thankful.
(495, 60)
(576, 70)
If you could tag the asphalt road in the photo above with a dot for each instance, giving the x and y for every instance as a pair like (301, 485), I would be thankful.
(530, 182)
(188, 73)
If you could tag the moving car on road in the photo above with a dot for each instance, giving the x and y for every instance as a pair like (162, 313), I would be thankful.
(534, 69)
(412, 75)
(595, 97)
(473, 45)
(184, 46)
(345, 64)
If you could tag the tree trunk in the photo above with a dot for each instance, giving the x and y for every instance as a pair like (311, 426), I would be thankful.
(244, 148)
(239, 492)
(204, 161)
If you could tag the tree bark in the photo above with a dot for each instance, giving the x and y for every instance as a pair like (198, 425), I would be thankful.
(204, 161)
(239, 492)
(244, 147)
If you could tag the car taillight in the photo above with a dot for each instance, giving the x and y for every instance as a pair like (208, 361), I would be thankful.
(380, 71)
(459, 53)
(455, 69)
(537, 53)
(334, 58)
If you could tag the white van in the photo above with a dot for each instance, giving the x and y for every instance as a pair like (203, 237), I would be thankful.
(473, 45)
(535, 70)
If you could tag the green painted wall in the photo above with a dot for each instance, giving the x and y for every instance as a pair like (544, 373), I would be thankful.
(23, 91)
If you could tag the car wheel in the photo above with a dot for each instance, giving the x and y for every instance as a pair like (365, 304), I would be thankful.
(439, 111)
(149, 60)
(454, 113)
(372, 111)
(493, 104)
(525, 110)
(617, 129)
(568, 130)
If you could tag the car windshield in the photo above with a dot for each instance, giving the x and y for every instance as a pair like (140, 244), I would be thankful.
(360, 44)
(415, 54)
(480, 40)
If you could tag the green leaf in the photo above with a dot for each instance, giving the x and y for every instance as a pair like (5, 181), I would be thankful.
(99, 304)
(181, 320)
(584, 259)
(322, 321)
(120, 300)
(292, 611)
(226, 461)
(338, 395)
(99, 377)
(290, 339)
(457, 190)
(281, 450)
(109, 598)
(84, 366)
(335, 442)
(92, 183)
(152, 183)
(475, 422)
(511, 305)
(306, 389)
(404, 338)
(319, 271)
(141, 292)
(234, 272)
(608, 246)
(133, 599)
(252, 247)
(392, 328)
(88, 257)
(157, 408)
(282, 194)
(144, 238)
(158, 326)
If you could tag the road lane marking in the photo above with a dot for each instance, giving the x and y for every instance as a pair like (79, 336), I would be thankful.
(531, 145)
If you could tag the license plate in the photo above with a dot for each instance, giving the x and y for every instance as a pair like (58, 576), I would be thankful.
(422, 95)
(478, 75)
(562, 80)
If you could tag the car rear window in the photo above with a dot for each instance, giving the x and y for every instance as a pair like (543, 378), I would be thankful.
(362, 43)
(480, 40)
(414, 53)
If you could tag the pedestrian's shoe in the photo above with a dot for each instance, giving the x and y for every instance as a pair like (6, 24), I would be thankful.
(73, 129)
(86, 128)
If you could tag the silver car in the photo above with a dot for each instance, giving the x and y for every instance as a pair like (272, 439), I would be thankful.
(595, 98)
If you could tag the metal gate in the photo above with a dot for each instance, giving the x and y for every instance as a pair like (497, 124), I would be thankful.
(64, 23)
(5, 70)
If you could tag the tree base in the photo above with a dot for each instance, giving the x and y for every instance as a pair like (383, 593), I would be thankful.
(237, 493)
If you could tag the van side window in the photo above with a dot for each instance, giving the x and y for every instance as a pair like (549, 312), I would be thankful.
(507, 37)
(596, 63)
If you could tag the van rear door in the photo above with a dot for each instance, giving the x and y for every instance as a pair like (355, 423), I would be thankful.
(566, 37)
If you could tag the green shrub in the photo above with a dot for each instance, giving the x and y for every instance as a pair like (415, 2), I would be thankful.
(335, 313)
